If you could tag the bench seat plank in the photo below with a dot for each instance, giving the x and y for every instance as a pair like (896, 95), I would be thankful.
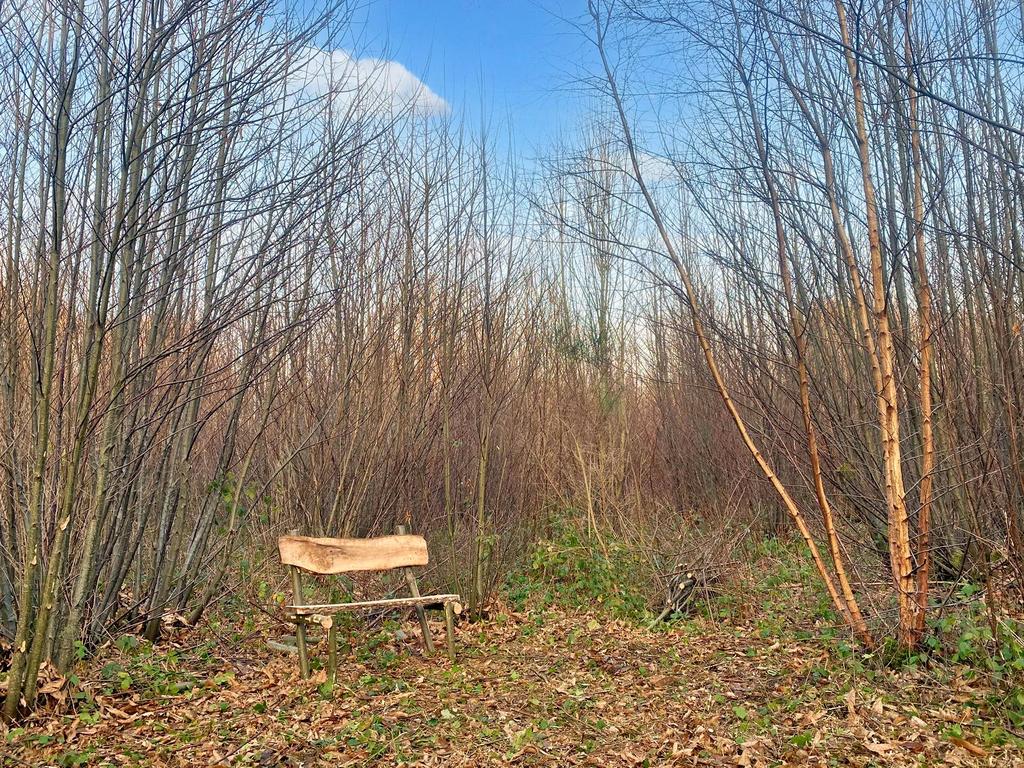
(397, 602)
(329, 556)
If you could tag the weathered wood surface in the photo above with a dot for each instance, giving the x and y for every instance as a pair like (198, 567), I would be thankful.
(449, 628)
(396, 602)
(327, 556)
(332, 556)
(276, 645)
(414, 590)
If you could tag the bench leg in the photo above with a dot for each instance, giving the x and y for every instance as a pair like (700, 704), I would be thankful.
(414, 590)
(332, 654)
(300, 641)
(300, 625)
(449, 626)
(428, 641)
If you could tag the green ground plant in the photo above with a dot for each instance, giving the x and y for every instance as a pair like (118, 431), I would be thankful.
(573, 570)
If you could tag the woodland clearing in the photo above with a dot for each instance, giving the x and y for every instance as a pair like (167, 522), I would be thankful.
(742, 328)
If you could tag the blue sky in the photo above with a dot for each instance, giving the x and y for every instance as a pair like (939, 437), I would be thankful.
(513, 62)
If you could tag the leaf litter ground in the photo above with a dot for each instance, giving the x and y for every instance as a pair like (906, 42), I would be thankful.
(548, 687)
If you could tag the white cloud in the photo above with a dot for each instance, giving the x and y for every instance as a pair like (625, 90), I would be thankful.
(656, 168)
(379, 84)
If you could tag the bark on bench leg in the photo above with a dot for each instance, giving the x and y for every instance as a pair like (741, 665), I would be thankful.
(332, 654)
(300, 624)
(414, 588)
(449, 626)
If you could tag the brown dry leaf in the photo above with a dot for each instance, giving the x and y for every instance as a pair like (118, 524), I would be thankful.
(851, 705)
(878, 749)
(971, 747)
(913, 746)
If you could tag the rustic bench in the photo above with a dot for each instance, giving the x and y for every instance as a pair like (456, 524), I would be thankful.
(326, 556)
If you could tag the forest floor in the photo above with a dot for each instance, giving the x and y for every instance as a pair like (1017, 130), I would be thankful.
(533, 685)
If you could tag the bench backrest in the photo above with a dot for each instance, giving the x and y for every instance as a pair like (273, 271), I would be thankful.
(326, 556)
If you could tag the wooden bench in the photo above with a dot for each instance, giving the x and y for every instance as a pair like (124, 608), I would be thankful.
(333, 556)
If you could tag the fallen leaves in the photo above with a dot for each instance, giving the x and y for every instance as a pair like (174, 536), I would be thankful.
(553, 689)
